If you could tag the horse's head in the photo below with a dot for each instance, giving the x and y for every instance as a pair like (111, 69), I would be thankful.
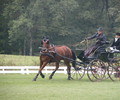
(45, 42)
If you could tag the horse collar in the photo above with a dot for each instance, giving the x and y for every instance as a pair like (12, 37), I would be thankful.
(48, 53)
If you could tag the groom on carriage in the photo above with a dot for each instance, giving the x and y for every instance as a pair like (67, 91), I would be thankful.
(116, 42)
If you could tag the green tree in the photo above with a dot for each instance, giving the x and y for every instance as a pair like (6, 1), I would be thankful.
(27, 21)
(4, 40)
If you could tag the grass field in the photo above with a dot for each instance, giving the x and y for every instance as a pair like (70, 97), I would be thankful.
(18, 60)
(20, 87)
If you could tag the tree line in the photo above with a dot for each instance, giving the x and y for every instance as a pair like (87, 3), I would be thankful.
(23, 23)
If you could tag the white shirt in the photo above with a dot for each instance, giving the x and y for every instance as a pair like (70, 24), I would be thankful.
(116, 39)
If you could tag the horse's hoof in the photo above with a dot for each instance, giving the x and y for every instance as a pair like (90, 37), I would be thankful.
(43, 76)
(68, 79)
(50, 78)
(34, 80)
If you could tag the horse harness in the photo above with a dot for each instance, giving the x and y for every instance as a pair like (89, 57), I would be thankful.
(47, 52)
(51, 52)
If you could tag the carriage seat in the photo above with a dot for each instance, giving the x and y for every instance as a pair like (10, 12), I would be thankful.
(97, 52)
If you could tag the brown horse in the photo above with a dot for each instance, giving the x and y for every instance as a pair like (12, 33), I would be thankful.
(50, 53)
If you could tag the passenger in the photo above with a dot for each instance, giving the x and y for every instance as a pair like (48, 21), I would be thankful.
(116, 42)
(115, 47)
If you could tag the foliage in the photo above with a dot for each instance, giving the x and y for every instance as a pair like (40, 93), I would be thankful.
(27, 21)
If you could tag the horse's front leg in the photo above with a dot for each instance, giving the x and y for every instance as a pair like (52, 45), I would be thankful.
(36, 76)
(42, 65)
(57, 66)
(34, 79)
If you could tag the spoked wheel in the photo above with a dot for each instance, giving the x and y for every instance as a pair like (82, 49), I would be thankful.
(78, 74)
(107, 69)
(96, 70)
(114, 69)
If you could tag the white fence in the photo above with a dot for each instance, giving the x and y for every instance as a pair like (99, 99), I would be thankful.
(30, 69)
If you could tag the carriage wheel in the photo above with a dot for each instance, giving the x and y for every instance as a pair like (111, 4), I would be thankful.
(78, 74)
(114, 69)
(96, 70)
(107, 69)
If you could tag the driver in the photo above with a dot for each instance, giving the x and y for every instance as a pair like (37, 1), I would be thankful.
(100, 41)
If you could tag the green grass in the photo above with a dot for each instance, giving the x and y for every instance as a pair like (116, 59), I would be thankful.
(20, 87)
(17, 60)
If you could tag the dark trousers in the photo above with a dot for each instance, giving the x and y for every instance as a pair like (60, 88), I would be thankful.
(91, 49)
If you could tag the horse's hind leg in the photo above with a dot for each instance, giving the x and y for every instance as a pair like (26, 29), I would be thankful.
(68, 70)
(57, 66)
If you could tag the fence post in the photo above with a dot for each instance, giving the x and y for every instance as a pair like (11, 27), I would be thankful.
(65, 70)
(46, 71)
(3, 70)
(27, 70)
(22, 71)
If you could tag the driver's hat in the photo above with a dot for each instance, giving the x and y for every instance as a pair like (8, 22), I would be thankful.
(100, 29)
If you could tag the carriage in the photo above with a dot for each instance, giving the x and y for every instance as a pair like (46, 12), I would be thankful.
(98, 66)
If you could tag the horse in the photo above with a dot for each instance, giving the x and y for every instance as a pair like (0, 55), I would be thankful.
(51, 53)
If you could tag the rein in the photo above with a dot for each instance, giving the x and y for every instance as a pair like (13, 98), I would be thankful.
(76, 44)
(69, 59)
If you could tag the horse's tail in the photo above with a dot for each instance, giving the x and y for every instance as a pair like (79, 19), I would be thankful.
(74, 58)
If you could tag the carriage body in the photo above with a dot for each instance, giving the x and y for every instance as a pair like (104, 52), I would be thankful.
(101, 65)
(101, 54)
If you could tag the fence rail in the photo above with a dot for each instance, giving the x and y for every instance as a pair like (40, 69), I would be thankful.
(30, 69)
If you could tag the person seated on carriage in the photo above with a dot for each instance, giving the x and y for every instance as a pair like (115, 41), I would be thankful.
(115, 46)
(98, 45)
(116, 43)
